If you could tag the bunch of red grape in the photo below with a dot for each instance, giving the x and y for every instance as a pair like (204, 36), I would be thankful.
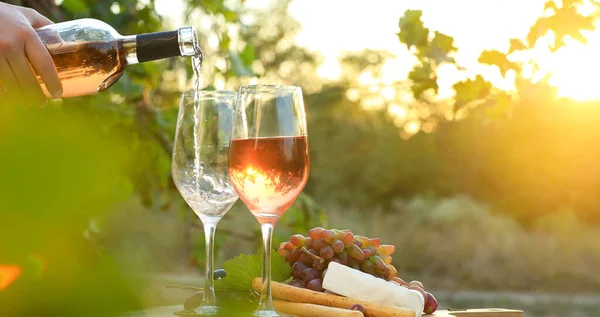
(310, 256)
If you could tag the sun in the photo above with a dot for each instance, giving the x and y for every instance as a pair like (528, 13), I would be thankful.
(576, 69)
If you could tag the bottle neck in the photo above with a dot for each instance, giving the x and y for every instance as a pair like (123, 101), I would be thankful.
(153, 46)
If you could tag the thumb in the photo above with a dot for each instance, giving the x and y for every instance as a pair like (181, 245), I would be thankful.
(35, 19)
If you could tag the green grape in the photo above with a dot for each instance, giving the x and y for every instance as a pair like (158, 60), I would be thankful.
(355, 252)
(367, 267)
(378, 264)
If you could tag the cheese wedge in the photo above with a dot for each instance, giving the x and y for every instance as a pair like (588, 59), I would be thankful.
(352, 283)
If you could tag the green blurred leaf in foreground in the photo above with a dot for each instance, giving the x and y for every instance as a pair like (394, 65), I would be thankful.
(242, 269)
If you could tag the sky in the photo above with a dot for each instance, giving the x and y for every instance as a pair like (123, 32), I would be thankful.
(333, 27)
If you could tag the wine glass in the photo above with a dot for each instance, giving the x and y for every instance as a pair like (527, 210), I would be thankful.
(268, 161)
(199, 167)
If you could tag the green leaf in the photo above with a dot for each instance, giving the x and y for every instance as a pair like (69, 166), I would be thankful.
(423, 78)
(412, 30)
(242, 269)
(248, 55)
(76, 7)
(238, 67)
(499, 59)
(441, 45)
(516, 45)
(470, 90)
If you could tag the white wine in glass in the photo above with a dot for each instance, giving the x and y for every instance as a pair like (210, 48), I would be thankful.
(268, 161)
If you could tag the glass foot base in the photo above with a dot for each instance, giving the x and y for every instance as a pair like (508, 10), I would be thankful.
(266, 313)
(199, 311)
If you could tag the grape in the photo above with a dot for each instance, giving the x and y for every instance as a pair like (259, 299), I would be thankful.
(297, 240)
(338, 246)
(431, 304)
(378, 265)
(357, 242)
(417, 283)
(386, 258)
(308, 243)
(393, 271)
(367, 267)
(420, 290)
(343, 257)
(315, 285)
(363, 240)
(298, 283)
(289, 246)
(297, 269)
(338, 233)
(328, 235)
(319, 244)
(353, 264)
(306, 259)
(355, 252)
(326, 253)
(318, 265)
(358, 307)
(348, 239)
(309, 256)
(310, 274)
(400, 281)
(336, 260)
(374, 242)
(315, 232)
(369, 251)
(386, 249)
(293, 256)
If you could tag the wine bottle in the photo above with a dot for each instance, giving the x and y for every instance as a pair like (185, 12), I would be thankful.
(90, 55)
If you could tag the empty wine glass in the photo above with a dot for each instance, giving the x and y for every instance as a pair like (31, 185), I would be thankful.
(200, 167)
(268, 161)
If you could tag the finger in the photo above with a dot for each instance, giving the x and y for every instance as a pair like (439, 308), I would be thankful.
(35, 19)
(9, 81)
(27, 80)
(43, 64)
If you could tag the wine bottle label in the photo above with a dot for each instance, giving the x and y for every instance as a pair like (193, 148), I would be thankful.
(153, 46)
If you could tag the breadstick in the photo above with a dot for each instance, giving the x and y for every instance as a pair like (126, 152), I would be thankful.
(312, 310)
(302, 295)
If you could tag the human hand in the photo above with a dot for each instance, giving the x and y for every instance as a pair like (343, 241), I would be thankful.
(21, 52)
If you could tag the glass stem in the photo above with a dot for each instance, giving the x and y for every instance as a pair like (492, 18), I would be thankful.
(209, 288)
(266, 300)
